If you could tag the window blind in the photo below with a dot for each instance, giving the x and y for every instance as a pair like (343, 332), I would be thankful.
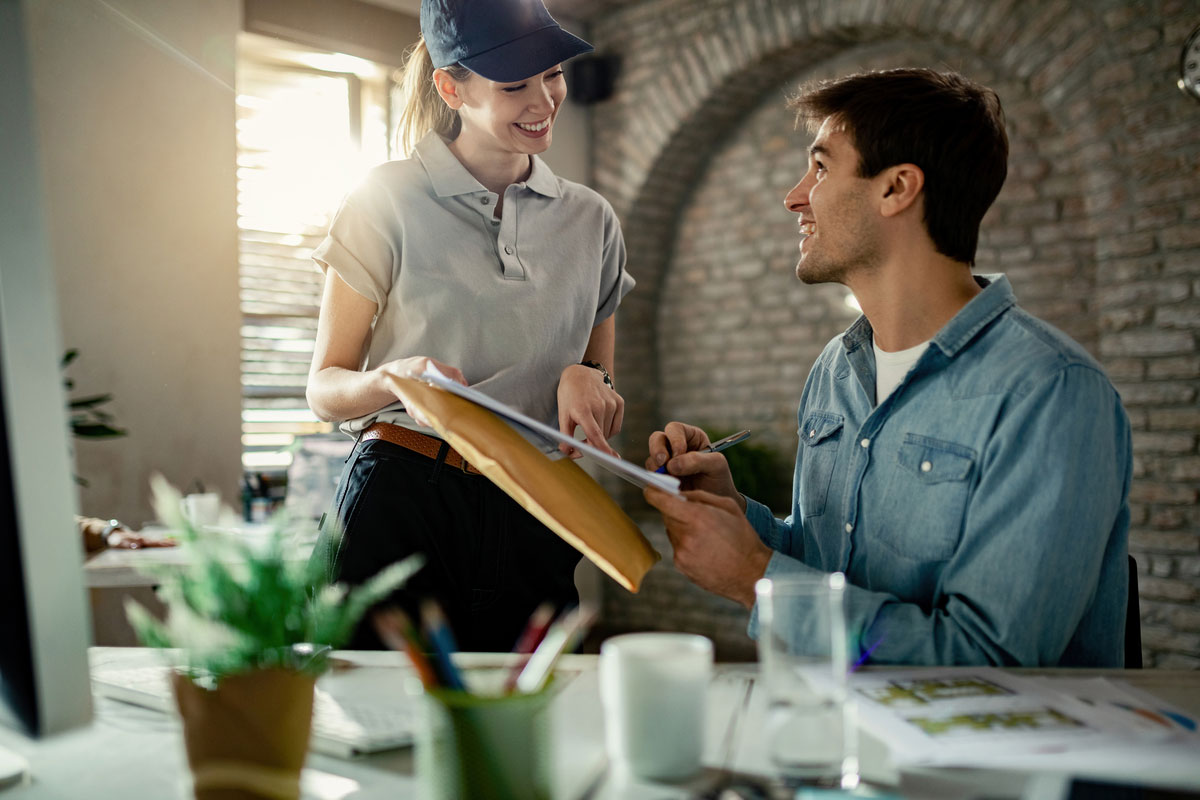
(300, 146)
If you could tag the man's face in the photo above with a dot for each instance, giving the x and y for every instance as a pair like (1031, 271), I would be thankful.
(839, 235)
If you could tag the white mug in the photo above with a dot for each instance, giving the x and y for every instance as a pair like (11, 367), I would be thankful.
(653, 688)
(202, 509)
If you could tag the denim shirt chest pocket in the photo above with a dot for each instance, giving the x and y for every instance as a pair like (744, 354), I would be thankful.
(926, 498)
(820, 438)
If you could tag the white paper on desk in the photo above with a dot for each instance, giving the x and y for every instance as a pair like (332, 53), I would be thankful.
(979, 717)
(1125, 707)
(548, 438)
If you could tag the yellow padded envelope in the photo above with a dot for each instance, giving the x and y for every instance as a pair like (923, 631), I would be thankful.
(566, 499)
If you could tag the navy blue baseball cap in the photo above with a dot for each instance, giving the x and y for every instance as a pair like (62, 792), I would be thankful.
(502, 40)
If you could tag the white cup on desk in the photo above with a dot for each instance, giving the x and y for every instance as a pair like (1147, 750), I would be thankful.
(202, 508)
(652, 689)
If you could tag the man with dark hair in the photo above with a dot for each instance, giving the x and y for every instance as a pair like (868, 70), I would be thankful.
(966, 465)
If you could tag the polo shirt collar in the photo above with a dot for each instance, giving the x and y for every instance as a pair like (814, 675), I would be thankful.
(447, 174)
(449, 177)
(541, 179)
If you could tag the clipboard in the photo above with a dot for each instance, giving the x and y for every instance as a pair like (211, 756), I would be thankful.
(558, 492)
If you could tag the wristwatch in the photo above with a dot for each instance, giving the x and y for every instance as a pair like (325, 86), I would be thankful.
(107, 531)
(597, 365)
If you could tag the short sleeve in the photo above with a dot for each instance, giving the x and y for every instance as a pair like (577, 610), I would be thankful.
(615, 282)
(358, 248)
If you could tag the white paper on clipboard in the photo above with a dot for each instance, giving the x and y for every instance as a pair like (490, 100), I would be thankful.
(619, 467)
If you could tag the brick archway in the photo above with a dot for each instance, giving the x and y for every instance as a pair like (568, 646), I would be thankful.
(687, 82)
(1099, 224)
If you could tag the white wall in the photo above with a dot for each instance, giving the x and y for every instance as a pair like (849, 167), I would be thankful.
(135, 105)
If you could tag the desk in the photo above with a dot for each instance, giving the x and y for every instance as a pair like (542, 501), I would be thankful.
(129, 752)
(115, 575)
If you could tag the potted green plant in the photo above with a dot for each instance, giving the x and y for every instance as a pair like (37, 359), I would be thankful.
(253, 625)
(88, 420)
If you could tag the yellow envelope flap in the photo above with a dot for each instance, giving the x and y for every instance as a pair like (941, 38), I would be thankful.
(558, 492)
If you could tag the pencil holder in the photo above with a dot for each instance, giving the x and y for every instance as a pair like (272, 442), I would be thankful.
(481, 747)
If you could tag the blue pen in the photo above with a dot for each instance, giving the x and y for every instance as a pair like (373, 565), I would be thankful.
(441, 640)
(715, 447)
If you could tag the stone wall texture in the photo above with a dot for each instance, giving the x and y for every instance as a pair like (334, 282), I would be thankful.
(1098, 227)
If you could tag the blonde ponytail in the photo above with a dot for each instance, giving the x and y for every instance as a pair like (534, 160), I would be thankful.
(421, 108)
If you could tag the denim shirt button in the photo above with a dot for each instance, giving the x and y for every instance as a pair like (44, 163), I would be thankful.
(811, 434)
(849, 527)
(865, 442)
(926, 466)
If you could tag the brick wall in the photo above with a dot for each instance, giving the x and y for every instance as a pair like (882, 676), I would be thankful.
(1098, 228)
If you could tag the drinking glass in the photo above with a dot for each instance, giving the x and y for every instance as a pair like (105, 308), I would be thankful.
(803, 654)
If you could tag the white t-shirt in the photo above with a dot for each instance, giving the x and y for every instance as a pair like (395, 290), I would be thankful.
(510, 302)
(890, 368)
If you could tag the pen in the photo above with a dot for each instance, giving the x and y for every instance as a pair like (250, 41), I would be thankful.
(715, 447)
(442, 642)
(531, 637)
(564, 634)
(397, 632)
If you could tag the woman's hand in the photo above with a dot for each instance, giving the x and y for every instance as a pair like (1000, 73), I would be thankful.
(682, 449)
(99, 534)
(586, 401)
(414, 367)
(125, 539)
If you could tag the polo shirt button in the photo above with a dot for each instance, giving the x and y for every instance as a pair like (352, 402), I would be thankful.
(485, 200)
(926, 466)
(849, 527)
(865, 442)
(508, 249)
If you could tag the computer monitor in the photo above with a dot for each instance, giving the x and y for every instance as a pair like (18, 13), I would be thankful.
(44, 626)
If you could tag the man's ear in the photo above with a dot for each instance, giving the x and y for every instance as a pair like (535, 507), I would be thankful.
(901, 186)
(448, 89)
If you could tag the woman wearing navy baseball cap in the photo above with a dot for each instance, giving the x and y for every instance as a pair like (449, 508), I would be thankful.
(470, 255)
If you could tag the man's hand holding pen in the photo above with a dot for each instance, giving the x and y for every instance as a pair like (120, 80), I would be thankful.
(712, 540)
(684, 451)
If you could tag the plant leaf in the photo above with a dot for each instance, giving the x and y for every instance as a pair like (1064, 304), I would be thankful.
(240, 606)
(88, 402)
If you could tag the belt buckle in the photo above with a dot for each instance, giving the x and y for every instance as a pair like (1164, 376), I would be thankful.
(464, 465)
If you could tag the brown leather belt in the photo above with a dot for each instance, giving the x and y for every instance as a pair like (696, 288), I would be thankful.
(428, 446)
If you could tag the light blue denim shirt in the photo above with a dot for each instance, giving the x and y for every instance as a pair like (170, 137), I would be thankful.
(980, 512)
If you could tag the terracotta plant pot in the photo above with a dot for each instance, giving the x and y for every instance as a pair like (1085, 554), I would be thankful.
(248, 737)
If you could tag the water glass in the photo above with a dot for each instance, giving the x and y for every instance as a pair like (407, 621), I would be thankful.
(804, 660)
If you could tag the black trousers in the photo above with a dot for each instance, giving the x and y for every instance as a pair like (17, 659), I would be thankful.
(489, 563)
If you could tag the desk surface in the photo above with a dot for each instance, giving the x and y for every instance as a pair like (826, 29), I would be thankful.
(123, 568)
(129, 752)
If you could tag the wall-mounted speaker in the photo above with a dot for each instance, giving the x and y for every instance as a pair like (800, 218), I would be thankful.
(591, 77)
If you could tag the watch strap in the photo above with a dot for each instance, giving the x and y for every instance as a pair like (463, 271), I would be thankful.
(107, 531)
(598, 366)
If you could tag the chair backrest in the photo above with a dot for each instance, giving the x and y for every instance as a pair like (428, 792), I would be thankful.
(1133, 622)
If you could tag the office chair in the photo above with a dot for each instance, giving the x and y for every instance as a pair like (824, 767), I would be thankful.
(1133, 622)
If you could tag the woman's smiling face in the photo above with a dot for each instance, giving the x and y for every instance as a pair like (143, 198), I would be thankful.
(516, 117)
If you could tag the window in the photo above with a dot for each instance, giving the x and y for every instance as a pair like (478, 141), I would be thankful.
(309, 124)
